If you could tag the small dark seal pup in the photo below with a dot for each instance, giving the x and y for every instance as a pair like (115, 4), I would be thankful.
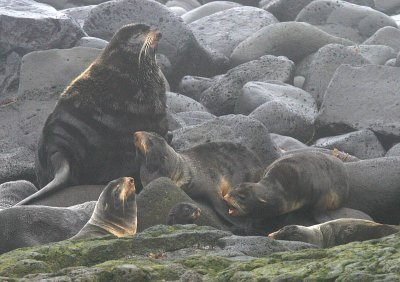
(183, 213)
(88, 137)
(335, 232)
(204, 172)
(115, 212)
(304, 180)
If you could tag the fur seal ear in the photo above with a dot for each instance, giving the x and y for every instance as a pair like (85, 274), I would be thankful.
(140, 140)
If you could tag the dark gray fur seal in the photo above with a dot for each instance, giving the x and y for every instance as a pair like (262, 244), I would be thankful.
(183, 213)
(115, 212)
(204, 172)
(310, 180)
(335, 232)
(88, 137)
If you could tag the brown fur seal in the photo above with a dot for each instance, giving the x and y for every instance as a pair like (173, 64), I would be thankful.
(88, 137)
(183, 213)
(204, 172)
(115, 212)
(335, 232)
(299, 181)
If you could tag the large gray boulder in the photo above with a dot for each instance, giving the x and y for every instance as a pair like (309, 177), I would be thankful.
(389, 36)
(178, 103)
(15, 191)
(294, 40)
(231, 128)
(178, 42)
(188, 5)
(343, 19)
(208, 9)
(362, 98)
(324, 64)
(286, 143)
(224, 30)
(26, 26)
(362, 144)
(287, 10)
(221, 97)
(79, 14)
(10, 65)
(254, 94)
(195, 117)
(394, 151)
(193, 86)
(375, 54)
(387, 6)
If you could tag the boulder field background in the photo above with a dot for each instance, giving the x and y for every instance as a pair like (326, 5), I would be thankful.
(274, 75)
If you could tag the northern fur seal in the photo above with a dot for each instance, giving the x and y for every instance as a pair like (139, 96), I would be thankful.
(183, 213)
(88, 137)
(304, 180)
(335, 232)
(204, 172)
(115, 212)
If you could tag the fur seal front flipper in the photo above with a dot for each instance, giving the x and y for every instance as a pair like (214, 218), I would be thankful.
(87, 139)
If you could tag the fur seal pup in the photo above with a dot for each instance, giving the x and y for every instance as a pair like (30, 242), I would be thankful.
(183, 213)
(204, 172)
(87, 139)
(335, 232)
(307, 180)
(115, 212)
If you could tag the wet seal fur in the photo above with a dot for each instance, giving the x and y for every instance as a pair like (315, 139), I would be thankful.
(335, 232)
(183, 213)
(87, 139)
(307, 180)
(115, 212)
(204, 172)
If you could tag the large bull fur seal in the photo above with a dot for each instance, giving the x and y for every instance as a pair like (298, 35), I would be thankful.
(88, 137)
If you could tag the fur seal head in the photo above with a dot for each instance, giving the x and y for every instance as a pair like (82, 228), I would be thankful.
(183, 213)
(116, 210)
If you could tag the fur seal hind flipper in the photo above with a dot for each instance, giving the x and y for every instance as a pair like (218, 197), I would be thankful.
(61, 178)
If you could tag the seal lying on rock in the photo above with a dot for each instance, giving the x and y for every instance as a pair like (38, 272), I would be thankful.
(115, 212)
(183, 213)
(304, 180)
(335, 232)
(204, 172)
(88, 137)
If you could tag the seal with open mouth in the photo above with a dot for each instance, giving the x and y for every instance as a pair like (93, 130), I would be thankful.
(115, 212)
(310, 180)
(88, 137)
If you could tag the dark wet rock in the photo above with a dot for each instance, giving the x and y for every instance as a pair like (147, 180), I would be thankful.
(363, 144)
(178, 42)
(193, 86)
(287, 143)
(221, 97)
(34, 225)
(195, 117)
(324, 64)
(389, 36)
(10, 65)
(185, 4)
(376, 54)
(231, 128)
(394, 151)
(91, 42)
(294, 40)
(373, 104)
(171, 253)
(35, 26)
(17, 164)
(159, 196)
(208, 9)
(79, 14)
(15, 191)
(178, 103)
(287, 10)
(215, 31)
(359, 24)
